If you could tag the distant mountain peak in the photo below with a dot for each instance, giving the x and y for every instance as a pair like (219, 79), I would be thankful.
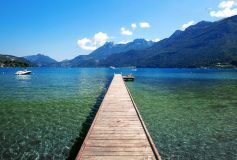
(108, 44)
(201, 24)
(176, 34)
(40, 54)
(40, 59)
(140, 40)
(108, 49)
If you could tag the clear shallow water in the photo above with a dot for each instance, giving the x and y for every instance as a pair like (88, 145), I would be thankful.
(43, 114)
(191, 114)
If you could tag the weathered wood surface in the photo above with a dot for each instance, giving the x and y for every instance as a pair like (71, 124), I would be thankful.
(118, 131)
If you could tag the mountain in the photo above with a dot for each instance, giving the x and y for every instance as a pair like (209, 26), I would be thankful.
(41, 60)
(206, 44)
(108, 49)
(12, 61)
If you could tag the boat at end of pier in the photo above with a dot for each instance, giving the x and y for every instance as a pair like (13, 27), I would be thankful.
(129, 77)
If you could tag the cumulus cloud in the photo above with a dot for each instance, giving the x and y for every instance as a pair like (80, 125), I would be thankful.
(226, 9)
(186, 25)
(101, 38)
(126, 32)
(93, 43)
(226, 4)
(134, 25)
(86, 44)
(144, 25)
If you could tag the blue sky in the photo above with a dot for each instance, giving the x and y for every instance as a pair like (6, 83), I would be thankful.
(64, 29)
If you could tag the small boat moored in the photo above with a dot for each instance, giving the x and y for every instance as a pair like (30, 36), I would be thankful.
(112, 67)
(129, 77)
(24, 72)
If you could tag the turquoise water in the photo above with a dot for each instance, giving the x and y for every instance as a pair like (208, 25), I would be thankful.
(42, 114)
(190, 113)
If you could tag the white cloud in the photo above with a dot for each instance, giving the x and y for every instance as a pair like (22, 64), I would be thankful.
(226, 4)
(227, 9)
(156, 40)
(126, 32)
(101, 38)
(144, 25)
(186, 25)
(86, 44)
(134, 25)
(96, 41)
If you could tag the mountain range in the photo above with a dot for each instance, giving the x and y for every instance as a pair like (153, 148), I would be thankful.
(41, 60)
(206, 44)
(96, 58)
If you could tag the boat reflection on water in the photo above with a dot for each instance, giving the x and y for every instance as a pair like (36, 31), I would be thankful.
(23, 81)
(23, 77)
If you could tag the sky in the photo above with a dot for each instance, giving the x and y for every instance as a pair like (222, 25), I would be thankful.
(63, 29)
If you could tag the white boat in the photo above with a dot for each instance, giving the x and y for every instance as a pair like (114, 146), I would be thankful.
(24, 72)
(112, 67)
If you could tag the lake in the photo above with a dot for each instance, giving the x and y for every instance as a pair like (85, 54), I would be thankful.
(190, 113)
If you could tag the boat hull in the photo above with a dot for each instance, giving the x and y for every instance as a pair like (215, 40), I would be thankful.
(23, 72)
(126, 78)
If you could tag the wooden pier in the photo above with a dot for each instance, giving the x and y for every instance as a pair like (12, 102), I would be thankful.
(118, 131)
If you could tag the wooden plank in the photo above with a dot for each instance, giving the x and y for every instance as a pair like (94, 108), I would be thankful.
(112, 133)
(118, 131)
(118, 157)
(118, 137)
(117, 124)
(118, 149)
(117, 153)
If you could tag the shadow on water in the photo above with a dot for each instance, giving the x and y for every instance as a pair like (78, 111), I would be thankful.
(86, 125)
